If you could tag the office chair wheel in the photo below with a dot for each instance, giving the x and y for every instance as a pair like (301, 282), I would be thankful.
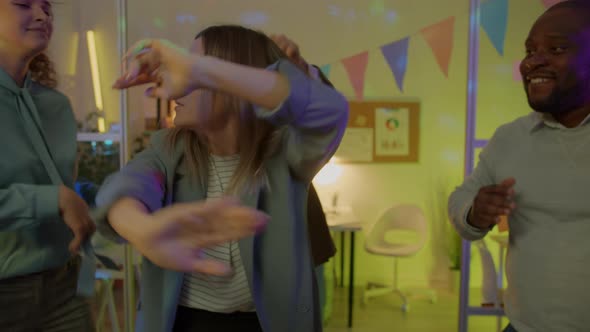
(405, 307)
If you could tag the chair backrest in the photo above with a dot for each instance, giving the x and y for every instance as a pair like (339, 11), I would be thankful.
(405, 217)
(489, 289)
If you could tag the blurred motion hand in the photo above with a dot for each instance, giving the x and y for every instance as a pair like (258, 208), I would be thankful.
(163, 63)
(174, 236)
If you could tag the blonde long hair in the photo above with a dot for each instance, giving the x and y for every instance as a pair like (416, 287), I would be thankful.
(258, 139)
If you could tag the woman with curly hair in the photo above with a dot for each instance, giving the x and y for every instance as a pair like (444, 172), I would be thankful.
(43, 222)
(42, 71)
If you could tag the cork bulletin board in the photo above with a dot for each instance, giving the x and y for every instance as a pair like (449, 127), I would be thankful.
(381, 132)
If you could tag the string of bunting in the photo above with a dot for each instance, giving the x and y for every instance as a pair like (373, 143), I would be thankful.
(439, 36)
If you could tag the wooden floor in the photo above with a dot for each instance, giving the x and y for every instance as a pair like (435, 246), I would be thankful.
(383, 314)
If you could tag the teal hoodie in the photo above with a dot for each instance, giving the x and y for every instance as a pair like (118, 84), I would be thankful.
(33, 237)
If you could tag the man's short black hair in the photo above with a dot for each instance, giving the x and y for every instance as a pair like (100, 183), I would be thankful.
(575, 4)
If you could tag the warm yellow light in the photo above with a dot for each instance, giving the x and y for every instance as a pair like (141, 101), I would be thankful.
(94, 69)
(74, 59)
(329, 174)
(101, 125)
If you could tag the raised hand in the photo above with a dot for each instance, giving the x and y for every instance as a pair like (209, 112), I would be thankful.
(291, 49)
(160, 62)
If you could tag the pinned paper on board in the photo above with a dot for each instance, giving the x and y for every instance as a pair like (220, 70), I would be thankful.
(392, 134)
(357, 144)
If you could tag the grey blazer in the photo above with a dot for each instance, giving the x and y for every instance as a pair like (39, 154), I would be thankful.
(278, 262)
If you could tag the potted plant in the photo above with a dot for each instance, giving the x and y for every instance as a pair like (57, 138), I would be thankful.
(445, 242)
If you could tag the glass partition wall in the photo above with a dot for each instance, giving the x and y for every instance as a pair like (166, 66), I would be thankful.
(88, 43)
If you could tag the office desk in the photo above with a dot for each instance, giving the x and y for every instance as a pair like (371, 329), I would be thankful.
(344, 221)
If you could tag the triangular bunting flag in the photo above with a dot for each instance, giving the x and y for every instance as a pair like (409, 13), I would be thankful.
(494, 17)
(549, 3)
(396, 55)
(439, 37)
(326, 69)
(356, 67)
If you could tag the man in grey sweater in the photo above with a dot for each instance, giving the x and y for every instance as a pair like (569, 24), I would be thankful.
(535, 171)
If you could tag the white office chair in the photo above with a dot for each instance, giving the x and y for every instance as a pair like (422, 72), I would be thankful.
(397, 218)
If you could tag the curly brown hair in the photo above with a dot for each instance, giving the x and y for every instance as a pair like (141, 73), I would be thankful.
(43, 71)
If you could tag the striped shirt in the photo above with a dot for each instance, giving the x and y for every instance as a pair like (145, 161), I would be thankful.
(212, 293)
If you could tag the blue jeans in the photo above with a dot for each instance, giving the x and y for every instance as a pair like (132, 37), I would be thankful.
(510, 328)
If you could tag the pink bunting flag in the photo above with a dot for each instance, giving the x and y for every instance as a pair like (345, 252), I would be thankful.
(356, 67)
(439, 37)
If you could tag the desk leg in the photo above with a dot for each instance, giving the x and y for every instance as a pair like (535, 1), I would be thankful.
(351, 281)
(499, 281)
(341, 259)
